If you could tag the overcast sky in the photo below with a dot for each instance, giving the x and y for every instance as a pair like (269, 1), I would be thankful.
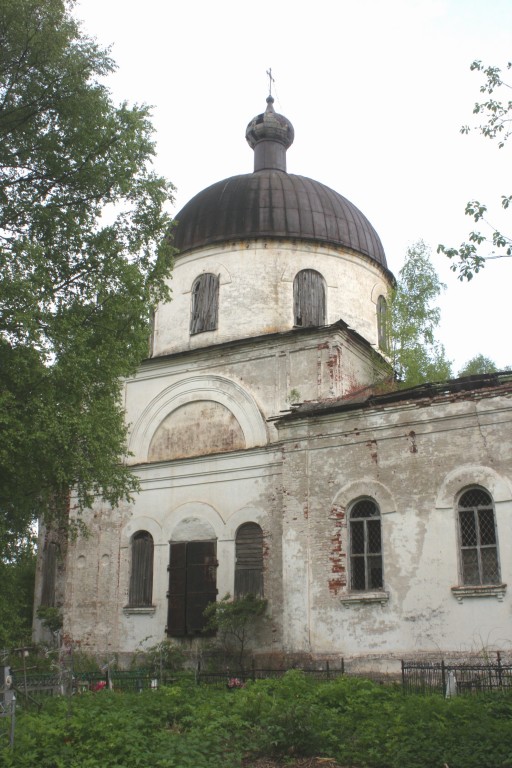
(377, 91)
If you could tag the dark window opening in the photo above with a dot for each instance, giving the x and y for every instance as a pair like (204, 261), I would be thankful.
(249, 560)
(308, 299)
(205, 303)
(478, 540)
(141, 576)
(192, 586)
(50, 553)
(365, 546)
(382, 323)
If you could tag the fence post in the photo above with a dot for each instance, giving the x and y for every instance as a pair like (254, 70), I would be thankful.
(327, 669)
(253, 670)
(198, 671)
(500, 679)
(443, 677)
(403, 675)
(342, 665)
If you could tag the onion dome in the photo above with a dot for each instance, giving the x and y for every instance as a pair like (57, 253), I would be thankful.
(270, 135)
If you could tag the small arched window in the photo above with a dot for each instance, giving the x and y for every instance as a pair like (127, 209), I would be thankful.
(365, 546)
(141, 574)
(478, 540)
(382, 323)
(249, 560)
(308, 298)
(205, 303)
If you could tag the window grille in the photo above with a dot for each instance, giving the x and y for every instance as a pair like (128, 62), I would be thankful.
(309, 298)
(141, 575)
(365, 546)
(205, 303)
(249, 560)
(478, 540)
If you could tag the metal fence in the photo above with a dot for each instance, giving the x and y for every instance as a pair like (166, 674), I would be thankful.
(453, 679)
(233, 678)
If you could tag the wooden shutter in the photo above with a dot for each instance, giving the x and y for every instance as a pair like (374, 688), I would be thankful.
(192, 585)
(201, 582)
(205, 303)
(249, 560)
(141, 576)
(177, 595)
(49, 574)
(309, 298)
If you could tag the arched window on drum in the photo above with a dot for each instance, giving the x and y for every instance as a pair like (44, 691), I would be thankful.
(309, 299)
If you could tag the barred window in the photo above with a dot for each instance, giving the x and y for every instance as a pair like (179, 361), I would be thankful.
(308, 298)
(205, 303)
(141, 576)
(365, 546)
(382, 323)
(478, 540)
(249, 560)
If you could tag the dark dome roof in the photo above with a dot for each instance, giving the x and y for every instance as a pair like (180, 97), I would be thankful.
(275, 204)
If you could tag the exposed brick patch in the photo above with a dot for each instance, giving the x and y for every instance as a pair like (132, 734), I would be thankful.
(372, 445)
(337, 556)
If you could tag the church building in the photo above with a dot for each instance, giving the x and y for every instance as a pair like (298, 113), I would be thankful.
(377, 523)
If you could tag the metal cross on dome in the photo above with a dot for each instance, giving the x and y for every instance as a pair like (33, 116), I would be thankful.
(271, 80)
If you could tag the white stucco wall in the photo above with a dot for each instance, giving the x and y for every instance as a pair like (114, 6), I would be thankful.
(256, 291)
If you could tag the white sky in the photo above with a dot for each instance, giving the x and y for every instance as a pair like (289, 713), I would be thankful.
(376, 90)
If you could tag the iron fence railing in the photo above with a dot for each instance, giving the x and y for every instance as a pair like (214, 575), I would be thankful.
(441, 677)
(234, 678)
(453, 679)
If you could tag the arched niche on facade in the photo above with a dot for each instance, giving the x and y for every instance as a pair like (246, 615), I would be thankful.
(141, 523)
(472, 475)
(196, 429)
(193, 518)
(229, 403)
(369, 489)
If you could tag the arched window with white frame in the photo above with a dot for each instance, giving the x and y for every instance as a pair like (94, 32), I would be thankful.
(204, 310)
(478, 538)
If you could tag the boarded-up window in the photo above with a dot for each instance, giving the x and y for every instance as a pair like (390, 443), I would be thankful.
(382, 323)
(365, 546)
(141, 575)
(478, 540)
(49, 574)
(205, 303)
(249, 560)
(192, 586)
(309, 298)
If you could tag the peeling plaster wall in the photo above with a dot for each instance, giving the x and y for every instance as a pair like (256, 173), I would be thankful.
(256, 291)
(252, 381)
(413, 460)
(203, 498)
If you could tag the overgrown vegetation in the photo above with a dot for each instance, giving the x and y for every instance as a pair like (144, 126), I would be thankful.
(355, 722)
(416, 354)
(470, 257)
(234, 621)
